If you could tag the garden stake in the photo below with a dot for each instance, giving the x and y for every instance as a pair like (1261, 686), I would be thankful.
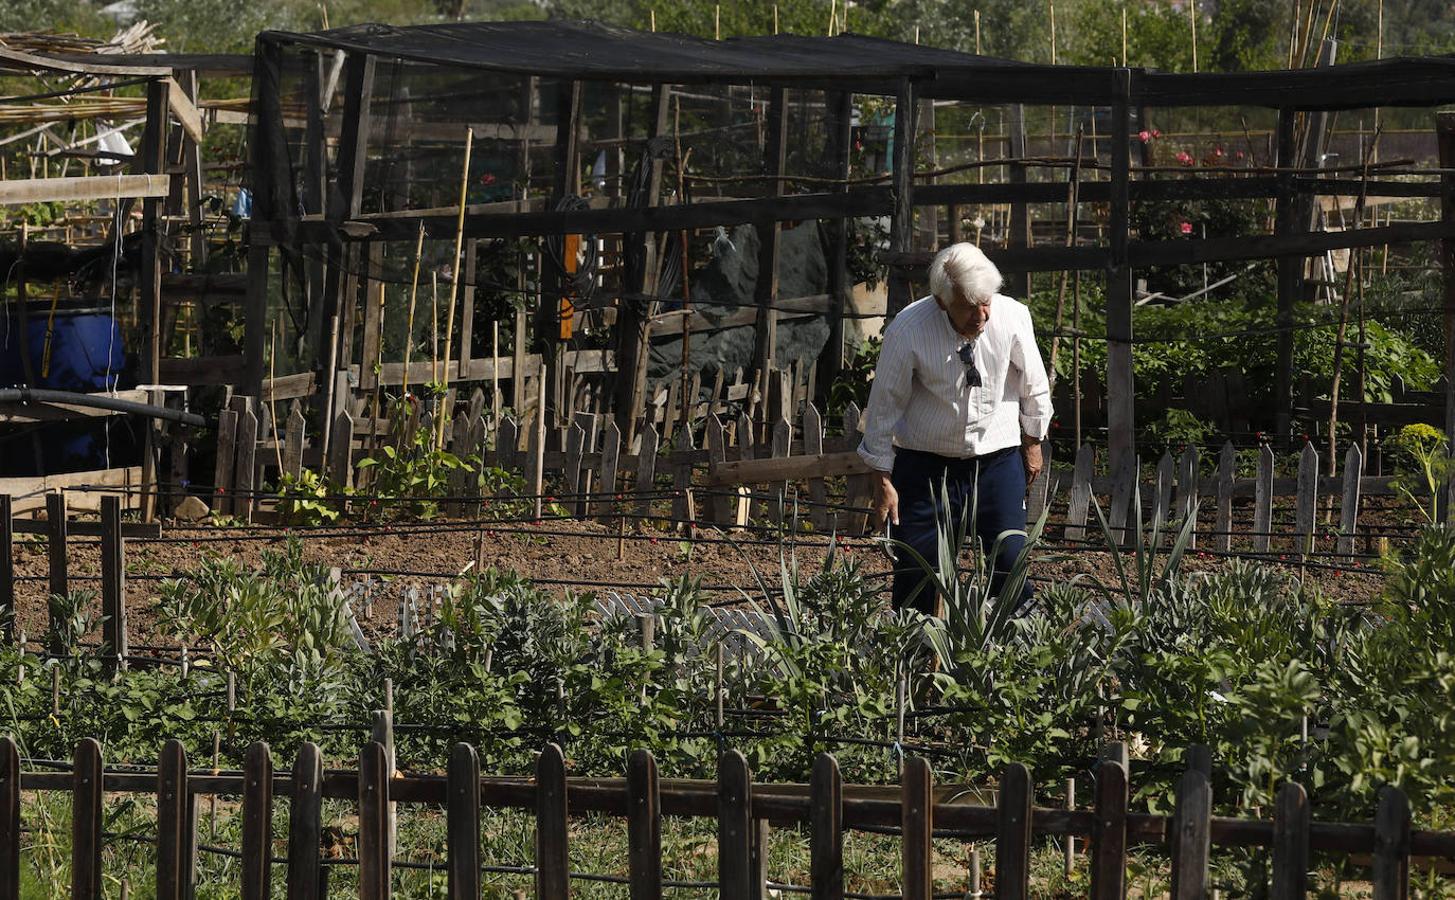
(212, 798)
(718, 718)
(56, 691)
(389, 696)
(1070, 838)
(413, 296)
(975, 893)
(456, 274)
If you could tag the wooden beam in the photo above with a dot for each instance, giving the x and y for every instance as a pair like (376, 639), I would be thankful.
(184, 111)
(1019, 229)
(1121, 418)
(83, 189)
(1290, 276)
(17, 59)
(790, 468)
(765, 286)
(901, 221)
(22, 413)
(840, 145)
(28, 493)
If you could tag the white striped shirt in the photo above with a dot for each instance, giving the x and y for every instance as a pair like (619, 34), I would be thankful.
(919, 398)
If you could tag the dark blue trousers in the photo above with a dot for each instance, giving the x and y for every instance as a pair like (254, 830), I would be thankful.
(995, 483)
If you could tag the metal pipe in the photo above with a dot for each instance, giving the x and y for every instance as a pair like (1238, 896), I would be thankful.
(100, 401)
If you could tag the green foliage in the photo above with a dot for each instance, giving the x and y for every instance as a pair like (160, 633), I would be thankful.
(1423, 466)
(70, 618)
(416, 468)
(852, 385)
(303, 500)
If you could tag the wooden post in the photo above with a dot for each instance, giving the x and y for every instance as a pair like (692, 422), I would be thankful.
(1120, 387)
(554, 290)
(1019, 229)
(381, 731)
(463, 823)
(826, 837)
(174, 838)
(1290, 843)
(246, 469)
(1263, 500)
(917, 815)
(644, 827)
(1349, 507)
(610, 461)
(1290, 272)
(10, 833)
(734, 825)
(902, 220)
(1080, 503)
(553, 864)
(1013, 834)
(374, 861)
(8, 630)
(646, 469)
(535, 477)
(257, 836)
(1190, 836)
(1109, 835)
(1391, 875)
(1308, 490)
(113, 585)
(1445, 136)
(86, 821)
(1227, 465)
(765, 287)
(59, 581)
(841, 139)
(305, 825)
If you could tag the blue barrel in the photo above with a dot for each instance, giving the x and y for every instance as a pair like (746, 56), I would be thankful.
(85, 351)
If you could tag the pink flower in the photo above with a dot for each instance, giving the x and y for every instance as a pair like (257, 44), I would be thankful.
(1144, 135)
(1184, 157)
(1186, 227)
(1238, 155)
(1156, 133)
(487, 179)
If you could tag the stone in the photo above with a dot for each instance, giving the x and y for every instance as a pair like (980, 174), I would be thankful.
(191, 509)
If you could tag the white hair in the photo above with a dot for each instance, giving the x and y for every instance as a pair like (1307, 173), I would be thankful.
(966, 267)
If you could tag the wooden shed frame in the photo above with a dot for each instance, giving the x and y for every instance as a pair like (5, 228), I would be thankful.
(843, 66)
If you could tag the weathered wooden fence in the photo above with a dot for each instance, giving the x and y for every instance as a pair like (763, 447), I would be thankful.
(918, 810)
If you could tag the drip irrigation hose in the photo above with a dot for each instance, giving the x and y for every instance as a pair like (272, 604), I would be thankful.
(100, 401)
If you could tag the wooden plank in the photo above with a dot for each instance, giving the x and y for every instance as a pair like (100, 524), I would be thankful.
(341, 464)
(719, 506)
(183, 110)
(1290, 843)
(1306, 506)
(552, 856)
(1187, 481)
(507, 444)
(87, 778)
(374, 861)
(535, 463)
(587, 486)
(901, 221)
(1162, 496)
(83, 189)
(28, 412)
(1391, 872)
(1040, 491)
(1124, 484)
(610, 456)
(743, 513)
(1223, 525)
(575, 446)
(1263, 500)
(1013, 834)
(174, 838)
(7, 588)
(246, 469)
(734, 825)
(682, 511)
(257, 828)
(826, 829)
(58, 568)
(644, 827)
(860, 487)
(1120, 389)
(114, 645)
(839, 125)
(10, 829)
(765, 285)
(818, 494)
(1109, 834)
(305, 825)
(917, 816)
(646, 469)
(1290, 273)
(294, 435)
(1349, 508)
(788, 468)
(463, 823)
(85, 65)
(1079, 506)
(83, 489)
(1191, 836)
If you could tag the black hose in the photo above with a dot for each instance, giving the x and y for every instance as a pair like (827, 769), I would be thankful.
(100, 401)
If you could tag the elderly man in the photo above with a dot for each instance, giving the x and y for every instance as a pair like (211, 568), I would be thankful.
(960, 399)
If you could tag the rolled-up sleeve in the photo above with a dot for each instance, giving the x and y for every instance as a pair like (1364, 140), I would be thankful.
(888, 395)
(1035, 392)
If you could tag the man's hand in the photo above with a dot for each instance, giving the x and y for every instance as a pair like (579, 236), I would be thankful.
(1031, 453)
(886, 500)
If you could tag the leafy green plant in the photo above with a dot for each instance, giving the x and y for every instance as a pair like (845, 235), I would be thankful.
(1426, 465)
(70, 618)
(303, 499)
(414, 469)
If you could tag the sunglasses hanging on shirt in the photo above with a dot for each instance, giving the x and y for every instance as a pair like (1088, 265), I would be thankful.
(967, 356)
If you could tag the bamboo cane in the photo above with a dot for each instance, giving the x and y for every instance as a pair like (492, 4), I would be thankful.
(457, 275)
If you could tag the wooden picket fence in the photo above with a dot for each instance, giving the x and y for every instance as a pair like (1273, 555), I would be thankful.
(918, 810)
